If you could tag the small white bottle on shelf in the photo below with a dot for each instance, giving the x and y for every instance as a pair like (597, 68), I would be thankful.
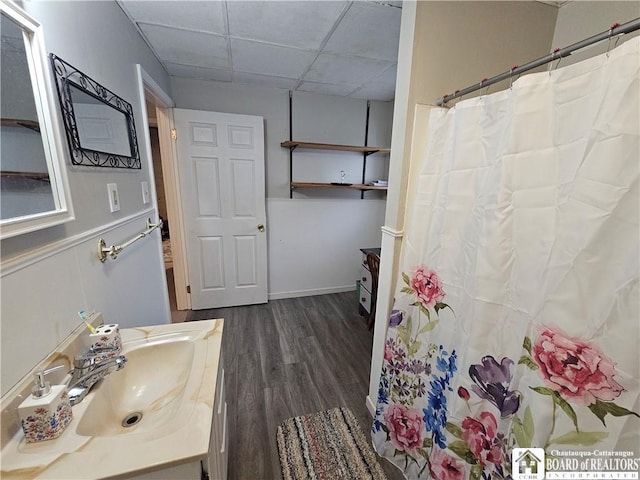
(46, 412)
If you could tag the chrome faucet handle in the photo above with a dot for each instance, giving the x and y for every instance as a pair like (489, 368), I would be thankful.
(106, 348)
(88, 357)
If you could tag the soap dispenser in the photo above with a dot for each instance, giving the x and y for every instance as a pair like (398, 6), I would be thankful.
(46, 412)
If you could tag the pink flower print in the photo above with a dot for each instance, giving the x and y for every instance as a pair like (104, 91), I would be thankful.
(463, 393)
(427, 286)
(575, 369)
(388, 352)
(445, 467)
(479, 434)
(405, 425)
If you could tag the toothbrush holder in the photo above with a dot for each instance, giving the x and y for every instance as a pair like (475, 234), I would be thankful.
(106, 338)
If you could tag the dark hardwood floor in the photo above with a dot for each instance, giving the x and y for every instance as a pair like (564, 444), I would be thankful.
(286, 358)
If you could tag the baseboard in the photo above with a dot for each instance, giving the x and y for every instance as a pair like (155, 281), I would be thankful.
(370, 406)
(311, 292)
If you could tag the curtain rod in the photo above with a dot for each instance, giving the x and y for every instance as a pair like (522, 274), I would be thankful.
(616, 29)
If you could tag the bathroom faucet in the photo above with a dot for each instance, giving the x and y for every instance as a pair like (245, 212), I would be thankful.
(88, 368)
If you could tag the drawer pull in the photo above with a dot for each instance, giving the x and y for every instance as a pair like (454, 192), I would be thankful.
(364, 279)
(363, 299)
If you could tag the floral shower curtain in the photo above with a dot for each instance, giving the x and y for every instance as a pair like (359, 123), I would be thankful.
(516, 319)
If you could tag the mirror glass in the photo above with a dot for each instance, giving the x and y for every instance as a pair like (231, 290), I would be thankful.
(25, 187)
(98, 123)
(100, 127)
(33, 193)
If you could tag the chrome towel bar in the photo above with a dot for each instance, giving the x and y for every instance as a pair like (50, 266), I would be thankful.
(114, 250)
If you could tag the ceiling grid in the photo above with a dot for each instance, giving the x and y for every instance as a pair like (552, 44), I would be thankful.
(332, 47)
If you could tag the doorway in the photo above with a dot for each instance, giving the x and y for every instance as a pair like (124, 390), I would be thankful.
(157, 124)
(163, 213)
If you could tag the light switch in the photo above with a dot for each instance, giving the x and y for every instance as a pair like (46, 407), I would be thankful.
(114, 199)
(145, 193)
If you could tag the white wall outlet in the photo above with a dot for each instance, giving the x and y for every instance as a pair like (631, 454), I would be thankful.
(146, 198)
(114, 198)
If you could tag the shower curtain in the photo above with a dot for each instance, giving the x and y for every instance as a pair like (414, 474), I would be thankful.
(515, 322)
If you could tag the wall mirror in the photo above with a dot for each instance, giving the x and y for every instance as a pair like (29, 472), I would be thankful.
(34, 193)
(98, 123)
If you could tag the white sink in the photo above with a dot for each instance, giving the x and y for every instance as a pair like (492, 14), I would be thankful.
(145, 395)
(170, 380)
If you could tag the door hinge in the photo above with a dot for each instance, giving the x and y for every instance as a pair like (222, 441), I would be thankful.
(188, 288)
(174, 134)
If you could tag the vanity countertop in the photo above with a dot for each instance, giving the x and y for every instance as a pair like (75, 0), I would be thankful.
(182, 438)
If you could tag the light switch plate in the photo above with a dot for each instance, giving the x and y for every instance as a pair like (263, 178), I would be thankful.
(114, 198)
(146, 198)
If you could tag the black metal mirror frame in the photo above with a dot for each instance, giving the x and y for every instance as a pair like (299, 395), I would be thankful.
(67, 76)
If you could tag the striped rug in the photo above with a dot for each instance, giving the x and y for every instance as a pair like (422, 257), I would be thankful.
(326, 446)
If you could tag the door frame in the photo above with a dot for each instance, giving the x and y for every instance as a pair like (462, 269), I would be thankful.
(149, 89)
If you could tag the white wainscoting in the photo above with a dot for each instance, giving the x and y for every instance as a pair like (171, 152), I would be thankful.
(314, 244)
(43, 291)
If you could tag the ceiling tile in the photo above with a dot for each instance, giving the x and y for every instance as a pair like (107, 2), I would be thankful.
(367, 30)
(263, 58)
(382, 87)
(276, 43)
(187, 47)
(189, 71)
(206, 16)
(302, 24)
(388, 76)
(345, 70)
(375, 91)
(265, 80)
(326, 88)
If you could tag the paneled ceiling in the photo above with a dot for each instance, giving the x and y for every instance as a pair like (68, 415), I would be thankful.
(332, 47)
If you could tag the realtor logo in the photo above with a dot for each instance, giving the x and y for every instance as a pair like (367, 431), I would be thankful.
(527, 464)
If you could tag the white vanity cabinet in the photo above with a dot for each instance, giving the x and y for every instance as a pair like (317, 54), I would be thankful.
(216, 464)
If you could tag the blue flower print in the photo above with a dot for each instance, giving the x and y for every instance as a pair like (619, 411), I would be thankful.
(435, 415)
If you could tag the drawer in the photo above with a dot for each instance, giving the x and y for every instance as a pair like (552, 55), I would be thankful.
(365, 299)
(365, 279)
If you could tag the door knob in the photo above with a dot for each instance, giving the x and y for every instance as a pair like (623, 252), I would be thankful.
(260, 227)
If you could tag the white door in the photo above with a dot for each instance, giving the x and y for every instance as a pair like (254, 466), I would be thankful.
(221, 169)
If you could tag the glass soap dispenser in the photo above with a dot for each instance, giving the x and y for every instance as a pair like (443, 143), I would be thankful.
(46, 412)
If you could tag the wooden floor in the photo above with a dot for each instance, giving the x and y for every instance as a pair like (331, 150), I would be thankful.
(286, 358)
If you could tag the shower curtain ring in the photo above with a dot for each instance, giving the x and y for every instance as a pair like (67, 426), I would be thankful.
(613, 26)
(457, 99)
(553, 57)
(511, 75)
(486, 90)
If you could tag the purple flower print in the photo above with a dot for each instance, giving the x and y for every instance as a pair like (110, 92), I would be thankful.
(492, 383)
(395, 318)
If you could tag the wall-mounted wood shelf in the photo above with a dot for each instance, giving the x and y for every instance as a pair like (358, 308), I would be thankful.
(27, 175)
(17, 122)
(355, 186)
(292, 144)
(364, 150)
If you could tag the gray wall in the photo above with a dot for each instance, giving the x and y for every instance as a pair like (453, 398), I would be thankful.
(48, 276)
(313, 239)
(98, 39)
